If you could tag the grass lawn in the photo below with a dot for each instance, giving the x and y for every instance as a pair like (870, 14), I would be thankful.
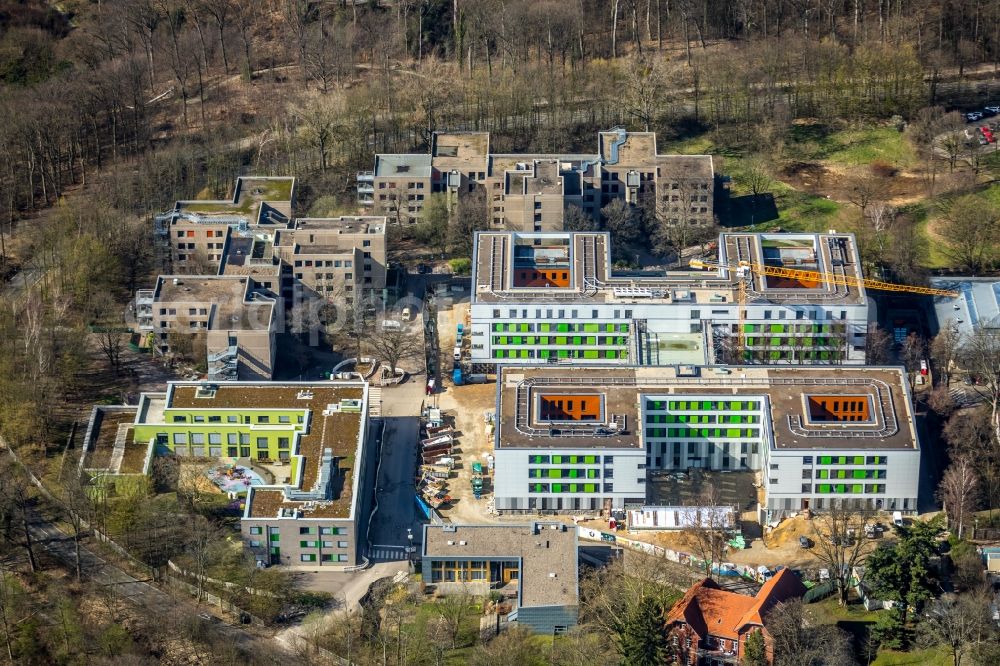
(828, 611)
(925, 217)
(937, 656)
(850, 147)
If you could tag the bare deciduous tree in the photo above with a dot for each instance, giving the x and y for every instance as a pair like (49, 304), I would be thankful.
(960, 622)
(944, 350)
(840, 544)
(959, 491)
(878, 345)
(396, 345)
(980, 355)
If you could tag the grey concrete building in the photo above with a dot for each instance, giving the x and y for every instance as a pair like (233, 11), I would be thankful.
(531, 192)
(535, 564)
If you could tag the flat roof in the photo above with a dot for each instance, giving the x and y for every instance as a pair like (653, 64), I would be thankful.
(978, 303)
(108, 426)
(403, 165)
(256, 199)
(786, 388)
(460, 150)
(498, 254)
(337, 431)
(543, 548)
(637, 149)
(231, 303)
(329, 235)
(345, 224)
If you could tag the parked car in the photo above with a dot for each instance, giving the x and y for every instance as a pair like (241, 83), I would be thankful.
(987, 134)
(923, 366)
(973, 116)
(993, 109)
(805, 542)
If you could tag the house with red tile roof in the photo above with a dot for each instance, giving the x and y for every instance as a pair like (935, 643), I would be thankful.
(709, 626)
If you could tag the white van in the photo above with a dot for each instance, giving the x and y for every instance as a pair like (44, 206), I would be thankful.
(406, 314)
(391, 324)
(897, 518)
(458, 353)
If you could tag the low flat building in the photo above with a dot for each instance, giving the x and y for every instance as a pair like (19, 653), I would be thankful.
(578, 439)
(977, 305)
(554, 297)
(536, 564)
(710, 626)
(309, 499)
(224, 317)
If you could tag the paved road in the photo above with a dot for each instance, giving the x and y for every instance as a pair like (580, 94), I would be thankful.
(154, 600)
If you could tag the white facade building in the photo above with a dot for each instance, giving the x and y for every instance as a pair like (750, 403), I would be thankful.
(541, 298)
(584, 439)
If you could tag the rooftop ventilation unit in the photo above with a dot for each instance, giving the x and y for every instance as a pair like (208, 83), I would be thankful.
(304, 395)
(206, 391)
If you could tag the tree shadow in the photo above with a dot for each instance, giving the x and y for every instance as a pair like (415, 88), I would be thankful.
(748, 210)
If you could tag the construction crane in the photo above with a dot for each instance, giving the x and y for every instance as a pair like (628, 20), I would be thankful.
(744, 271)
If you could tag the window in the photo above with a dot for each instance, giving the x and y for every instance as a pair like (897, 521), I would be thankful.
(307, 530)
(180, 438)
(180, 419)
(307, 557)
(308, 544)
(197, 438)
(255, 530)
(262, 442)
(807, 460)
(283, 443)
(263, 419)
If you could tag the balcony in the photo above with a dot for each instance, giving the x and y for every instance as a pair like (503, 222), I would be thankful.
(366, 188)
(144, 299)
(366, 177)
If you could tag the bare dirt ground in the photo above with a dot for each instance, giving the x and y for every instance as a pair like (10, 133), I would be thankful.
(466, 405)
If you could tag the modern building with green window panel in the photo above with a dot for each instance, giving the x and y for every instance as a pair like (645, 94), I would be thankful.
(555, 297)
(815, 435)
(306, 442)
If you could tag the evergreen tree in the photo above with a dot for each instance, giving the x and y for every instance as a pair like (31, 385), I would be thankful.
(755, 652)
(643, 637)
(901, 573)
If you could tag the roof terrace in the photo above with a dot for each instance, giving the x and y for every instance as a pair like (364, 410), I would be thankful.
(500, 258)
(809, 407)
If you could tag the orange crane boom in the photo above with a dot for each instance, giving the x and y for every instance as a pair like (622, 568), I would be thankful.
(744, 270)
(826, 278)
